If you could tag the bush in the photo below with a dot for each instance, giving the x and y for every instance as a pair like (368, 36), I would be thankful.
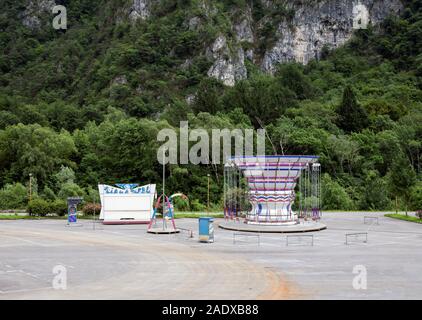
(38, 207)
(91, 209)
(334, 197)
(197, 206)
(181, 204)
(58, 207)
(13, 196)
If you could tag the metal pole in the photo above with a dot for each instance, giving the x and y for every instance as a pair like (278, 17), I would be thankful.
(94, 212)
(396, 206)
(208, 198)
(232, 193)
(224, 192)
(30, 187)
(164, 184)
(240, 194)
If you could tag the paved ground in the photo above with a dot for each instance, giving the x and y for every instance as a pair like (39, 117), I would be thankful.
(124, 262)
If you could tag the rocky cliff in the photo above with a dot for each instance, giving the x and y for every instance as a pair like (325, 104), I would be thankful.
(316, 24)
(300, 35)
(305, 29)
(265, 32)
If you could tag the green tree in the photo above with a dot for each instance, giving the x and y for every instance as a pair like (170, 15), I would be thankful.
(375, 195)
(291, 76)
(402, 179)
(26, 149)
(48, 194)
(70, 189)
(65, 175)
(351, 116)
(65, 180)
(207, 98)
(334, 197)
(264, 99)
(416, 196)
(13, 196)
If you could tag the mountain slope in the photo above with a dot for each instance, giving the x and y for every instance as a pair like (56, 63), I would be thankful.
(125, 68)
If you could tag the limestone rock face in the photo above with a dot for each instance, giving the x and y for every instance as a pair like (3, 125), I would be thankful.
(194, 22)
(229, 57)
(33, 10)
(228, 66)
(323, 23)
(119, 80)
(243, 30)
(139, 10)
(207, 7)
(300, 36)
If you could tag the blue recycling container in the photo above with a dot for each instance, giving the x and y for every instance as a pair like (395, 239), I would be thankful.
(206, 229)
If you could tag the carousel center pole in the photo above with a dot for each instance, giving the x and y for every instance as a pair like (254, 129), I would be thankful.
(164, 184)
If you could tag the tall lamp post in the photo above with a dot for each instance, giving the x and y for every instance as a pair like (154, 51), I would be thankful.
(208, 198)
(30, 186)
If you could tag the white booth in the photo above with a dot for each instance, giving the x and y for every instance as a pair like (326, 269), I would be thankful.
(126, 203)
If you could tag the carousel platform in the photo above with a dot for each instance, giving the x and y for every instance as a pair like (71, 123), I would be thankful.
(160, 230)
(307, 226)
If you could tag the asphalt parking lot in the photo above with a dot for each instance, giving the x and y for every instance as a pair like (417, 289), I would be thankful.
(94, 261)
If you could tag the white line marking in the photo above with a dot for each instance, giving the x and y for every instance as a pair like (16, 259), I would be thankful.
(27, 241)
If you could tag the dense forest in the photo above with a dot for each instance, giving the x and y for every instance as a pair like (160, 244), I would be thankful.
(84, 105)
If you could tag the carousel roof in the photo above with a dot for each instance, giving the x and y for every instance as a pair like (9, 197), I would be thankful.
(272, 161)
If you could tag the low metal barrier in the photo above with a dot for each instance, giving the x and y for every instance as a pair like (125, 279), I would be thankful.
(302, 239)
(356, 237)
(240, 238)
(188, 232)
(367, 219)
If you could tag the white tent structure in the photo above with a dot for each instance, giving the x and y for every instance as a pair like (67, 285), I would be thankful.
(126, 203)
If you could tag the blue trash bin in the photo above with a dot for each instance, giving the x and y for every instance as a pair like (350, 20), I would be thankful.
(206, 229)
